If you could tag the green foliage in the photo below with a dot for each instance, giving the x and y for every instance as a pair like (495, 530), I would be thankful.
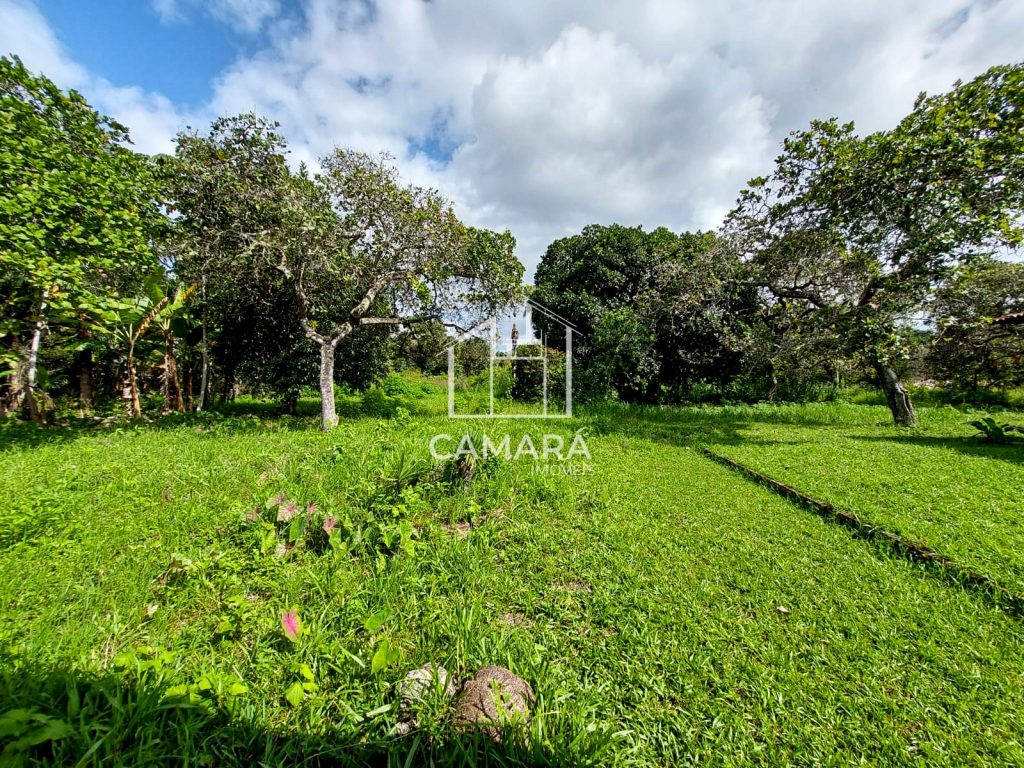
(527, 377)
(861, 230)
(78, 214)
(23, 729)
(656, 312)
(968, 350)
(991, 431)
(316, 259)
(77, 204)
(625, 361)
(422, 346)
(399, 386)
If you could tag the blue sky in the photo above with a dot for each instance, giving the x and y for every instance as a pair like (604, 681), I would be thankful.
(535, 116)
(129, 43)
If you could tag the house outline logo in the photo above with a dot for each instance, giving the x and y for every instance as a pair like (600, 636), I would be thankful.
(490, 325)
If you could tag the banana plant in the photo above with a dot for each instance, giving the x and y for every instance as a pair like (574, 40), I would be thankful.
(174, 323)
(162, 305)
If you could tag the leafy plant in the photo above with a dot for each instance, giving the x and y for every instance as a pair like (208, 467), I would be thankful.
(23, 729)
(305, 685)
(990, 431)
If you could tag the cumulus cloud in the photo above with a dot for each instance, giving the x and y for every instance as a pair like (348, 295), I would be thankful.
(543, 117)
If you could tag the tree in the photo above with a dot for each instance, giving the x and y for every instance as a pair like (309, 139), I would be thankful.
(423, 346)
(657, 312)
(701, 312)
(865, 228)
(229, 193)
(77, 214)
(585, 278)
(385, 241)
(968, 348)
(343, 250)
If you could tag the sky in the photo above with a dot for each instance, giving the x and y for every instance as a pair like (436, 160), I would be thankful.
(530, 115)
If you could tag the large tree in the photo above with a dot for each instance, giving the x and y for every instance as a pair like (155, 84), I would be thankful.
(865, 227)
(386, 245)
(657, 312)
(77, 216)
(349, 248)
(229, 191)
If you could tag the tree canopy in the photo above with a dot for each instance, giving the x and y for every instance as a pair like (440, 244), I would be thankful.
(225, 267)
(864, 228)
(78, 211)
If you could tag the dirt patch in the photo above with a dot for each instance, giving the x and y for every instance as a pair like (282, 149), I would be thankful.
(459, 529)
(513, 619)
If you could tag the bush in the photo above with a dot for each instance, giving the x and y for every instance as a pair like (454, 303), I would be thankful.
(396, 386)
(377, 402)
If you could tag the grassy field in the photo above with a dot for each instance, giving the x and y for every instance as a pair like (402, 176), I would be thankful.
(666, 610)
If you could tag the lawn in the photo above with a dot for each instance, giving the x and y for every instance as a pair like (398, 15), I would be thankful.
(665, 610)
(935, 485)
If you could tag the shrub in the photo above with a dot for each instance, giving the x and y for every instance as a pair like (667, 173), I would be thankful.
(990, 431)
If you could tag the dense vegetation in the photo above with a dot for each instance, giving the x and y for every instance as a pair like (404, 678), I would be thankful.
(132, 282)
(221, 260)
(856, 255)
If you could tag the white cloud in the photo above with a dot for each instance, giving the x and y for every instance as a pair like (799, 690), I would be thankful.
(169, 10)
(152, 119)
(26, 33)
(557, 115)
(242, 15)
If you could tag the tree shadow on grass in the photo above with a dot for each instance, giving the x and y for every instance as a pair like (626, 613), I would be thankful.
(969, 446)
(684, 432)
(20, 436)
(72, 718)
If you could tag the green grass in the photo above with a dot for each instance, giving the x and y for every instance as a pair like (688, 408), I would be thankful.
(936, 485)
(640, 599)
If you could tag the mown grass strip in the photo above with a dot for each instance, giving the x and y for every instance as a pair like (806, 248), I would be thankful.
(1006, 598)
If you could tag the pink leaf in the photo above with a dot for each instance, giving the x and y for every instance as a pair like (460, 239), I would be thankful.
(311, 508)
(284, 514)
(329, 525)
(291, 624)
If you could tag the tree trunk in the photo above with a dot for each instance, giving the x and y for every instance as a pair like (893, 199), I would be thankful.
(133, 384)
(328, 415)
(32, 363)
(173, 401)
(899, 401)
(14, 398)
(773, 382)
(188, 382)
(204, 378)
(85, 381)
(165, 384)
(126, 391)
(179, 400)
(227, 388)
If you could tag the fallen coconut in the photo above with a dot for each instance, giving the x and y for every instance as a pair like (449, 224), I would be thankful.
(494, 698)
